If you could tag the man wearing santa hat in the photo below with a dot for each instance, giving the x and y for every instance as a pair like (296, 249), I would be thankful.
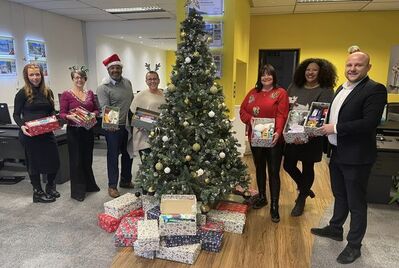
(116, 91)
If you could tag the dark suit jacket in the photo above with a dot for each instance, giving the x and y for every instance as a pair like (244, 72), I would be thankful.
(358, 119)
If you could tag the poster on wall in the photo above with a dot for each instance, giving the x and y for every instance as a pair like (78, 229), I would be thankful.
(393, 71)
(36, 49)
(7, 66)
(42, 64)
(215, 31)
(217, 60)
(7, 46)
(209, 7)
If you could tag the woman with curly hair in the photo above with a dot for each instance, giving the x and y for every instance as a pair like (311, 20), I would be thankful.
(35, 101)
(314, 80)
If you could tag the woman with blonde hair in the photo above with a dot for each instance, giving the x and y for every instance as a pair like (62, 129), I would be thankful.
(35, 101)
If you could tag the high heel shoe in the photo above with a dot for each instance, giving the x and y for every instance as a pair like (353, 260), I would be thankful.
(51, 191)
(41, 197)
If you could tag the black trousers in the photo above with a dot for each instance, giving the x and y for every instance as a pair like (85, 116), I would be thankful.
(80, 146)
(270, 158)
(349, 186)
(304, 179)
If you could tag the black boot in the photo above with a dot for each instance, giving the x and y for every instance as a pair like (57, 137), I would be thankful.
(41, 197)
(261, 202)
(51, 191)
(274, 211)
(299, 205)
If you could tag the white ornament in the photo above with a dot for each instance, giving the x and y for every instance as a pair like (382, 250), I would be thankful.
(222, 155)
(155, 174)
(200, 172)
(187, 60)
(185, 123)
(201, 125)
(167, 170)
(211, 114)
(165, 138)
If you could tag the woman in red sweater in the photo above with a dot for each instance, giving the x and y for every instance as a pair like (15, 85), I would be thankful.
(267, 100)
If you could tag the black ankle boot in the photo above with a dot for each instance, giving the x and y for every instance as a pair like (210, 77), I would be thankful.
(41, 197)
(51, 191)
(261, 202)
(274, 211)
(299, 206)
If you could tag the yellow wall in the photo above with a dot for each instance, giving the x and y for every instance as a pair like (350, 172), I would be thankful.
(328, 35)
(170, 61)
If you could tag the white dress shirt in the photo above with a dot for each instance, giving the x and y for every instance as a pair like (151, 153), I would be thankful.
(336, 106)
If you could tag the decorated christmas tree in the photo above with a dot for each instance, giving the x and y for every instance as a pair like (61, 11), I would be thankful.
(193, 150)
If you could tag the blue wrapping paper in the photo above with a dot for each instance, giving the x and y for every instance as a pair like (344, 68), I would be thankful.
(153, 213)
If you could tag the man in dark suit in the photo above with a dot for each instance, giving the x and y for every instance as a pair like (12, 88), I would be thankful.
(354, 115)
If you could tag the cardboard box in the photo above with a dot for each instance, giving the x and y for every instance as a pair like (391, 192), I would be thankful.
(317, 115)
(144, 118)
(295, 127)
(42, 125)
(234, 222)
(262, 132)
(110, 117)
(147, 235)
(184, 254)
(122, 205)
(178, 204)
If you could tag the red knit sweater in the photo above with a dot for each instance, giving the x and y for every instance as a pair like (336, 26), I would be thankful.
(272, 104)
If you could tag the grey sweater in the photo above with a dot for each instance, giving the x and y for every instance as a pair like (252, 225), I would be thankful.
(118, 95)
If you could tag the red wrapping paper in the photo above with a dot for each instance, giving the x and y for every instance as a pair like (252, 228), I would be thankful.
(234, 207)
(42, 125)
(126, 233)
(107, 222)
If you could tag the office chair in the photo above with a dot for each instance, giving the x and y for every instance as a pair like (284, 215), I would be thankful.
(4, 114)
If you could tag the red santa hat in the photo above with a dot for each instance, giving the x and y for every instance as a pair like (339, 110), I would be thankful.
(112, 60)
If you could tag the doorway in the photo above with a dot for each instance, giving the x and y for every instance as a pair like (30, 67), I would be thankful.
(284, 61)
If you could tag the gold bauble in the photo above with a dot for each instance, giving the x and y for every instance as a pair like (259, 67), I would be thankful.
(183, 34)
(207, 180)
(151, 189)
(205, 208)
(196, 147)
(186, 101)
(196, 54)
(158, 166)
(188, 158)
(246, 194)
(214, 89)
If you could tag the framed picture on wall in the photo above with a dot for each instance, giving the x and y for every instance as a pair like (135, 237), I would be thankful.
(217, 60)
(7, 46)
(36, 49)
(393, 71)
(7, 66)
(42, 64)
(210, 7)
(215, 31)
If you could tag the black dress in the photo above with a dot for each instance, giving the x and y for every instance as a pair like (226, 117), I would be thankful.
(41, 151)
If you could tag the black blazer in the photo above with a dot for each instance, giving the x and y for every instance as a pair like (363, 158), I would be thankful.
(358, 119)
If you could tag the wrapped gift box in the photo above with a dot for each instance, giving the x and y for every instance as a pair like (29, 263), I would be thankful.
(184, 254)
(107, 222)
(110, 117)
(126, 233)
(135, 213)
(181, 240)
(149, 202)
(144, 118)
(295, 127)
(178, 215)
(153, 213)
(147, 235)
(42, 125)
(234, 222)
(316, 118)
(144, 254)
(262, 132)
(122, 205)
(212, 236)
(83, 118)
(235, 207)
(201, 219)
(211, 246)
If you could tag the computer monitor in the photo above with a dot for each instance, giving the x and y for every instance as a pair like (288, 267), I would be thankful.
(4, 114)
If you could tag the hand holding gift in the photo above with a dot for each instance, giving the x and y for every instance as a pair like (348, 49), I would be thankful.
(82, 117)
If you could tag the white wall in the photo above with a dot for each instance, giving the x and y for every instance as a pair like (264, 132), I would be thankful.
(133, 57)
(64, 44)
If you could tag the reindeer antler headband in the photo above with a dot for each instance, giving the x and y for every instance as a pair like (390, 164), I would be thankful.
(148, 67)
(76, 68)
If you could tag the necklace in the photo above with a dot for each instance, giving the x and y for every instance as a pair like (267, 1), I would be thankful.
(310, 87)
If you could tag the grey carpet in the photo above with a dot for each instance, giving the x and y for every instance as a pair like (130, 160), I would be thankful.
(59, 234)
(380, 245)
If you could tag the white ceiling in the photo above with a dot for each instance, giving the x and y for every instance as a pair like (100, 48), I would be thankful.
(92, 10)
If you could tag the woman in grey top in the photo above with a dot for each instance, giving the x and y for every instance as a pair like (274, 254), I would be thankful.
(314, 81)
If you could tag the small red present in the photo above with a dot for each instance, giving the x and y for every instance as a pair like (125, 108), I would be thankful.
(135, 213)
(107, 222)
(213, 226)
(42, 125)
(126, 233)
(234, 207)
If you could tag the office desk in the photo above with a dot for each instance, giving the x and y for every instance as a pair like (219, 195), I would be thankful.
(11, 148)
(386, 166)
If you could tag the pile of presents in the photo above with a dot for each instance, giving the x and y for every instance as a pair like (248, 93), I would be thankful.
(171, 227)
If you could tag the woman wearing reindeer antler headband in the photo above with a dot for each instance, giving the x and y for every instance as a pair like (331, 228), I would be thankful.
(149, 99)
(78, 106)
